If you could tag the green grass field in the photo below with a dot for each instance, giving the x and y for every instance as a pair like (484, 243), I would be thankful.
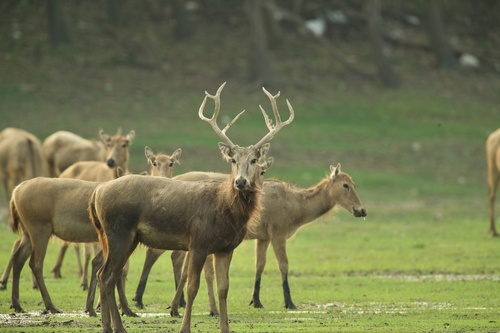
(422, 261)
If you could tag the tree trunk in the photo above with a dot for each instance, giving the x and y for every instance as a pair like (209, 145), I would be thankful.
(259, 63)
(385, 70)
(113, 10)
(183, 25)
(58, 33)
(436, 35)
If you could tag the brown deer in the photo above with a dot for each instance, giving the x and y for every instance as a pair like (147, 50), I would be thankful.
(286, 208)
(201, 217)
(117, 156)
(21, 158)
(493, 162)
(62, 149)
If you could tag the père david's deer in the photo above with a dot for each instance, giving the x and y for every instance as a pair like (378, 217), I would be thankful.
(62, 149)
(286, 208)
(116, 156)
(21, 158)
(493, 162)
(200, 217)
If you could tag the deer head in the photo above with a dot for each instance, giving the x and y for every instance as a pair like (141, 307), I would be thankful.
(117, 147)
(246, 169)
(162, 165)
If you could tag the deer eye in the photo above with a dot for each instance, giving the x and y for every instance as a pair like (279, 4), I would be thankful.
(171, 164)
(124, 145)
(253, 161)
(262, 173)
(154, 164)
(346, 186)
(233, 161)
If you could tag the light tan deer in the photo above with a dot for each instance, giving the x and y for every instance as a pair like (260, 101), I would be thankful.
(493, 162)
(45, 207)
(117, 156)
(21, 158)
(286, 208)
(202, 217)
(62, 149)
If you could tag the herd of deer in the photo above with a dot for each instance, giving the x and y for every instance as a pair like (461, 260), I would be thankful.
(80, 191)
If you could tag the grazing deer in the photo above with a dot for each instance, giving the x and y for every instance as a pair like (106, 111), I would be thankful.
(286, 208)
(62, 149)
(117, 156)
(200, 217)
(493, 161)
(21, 158)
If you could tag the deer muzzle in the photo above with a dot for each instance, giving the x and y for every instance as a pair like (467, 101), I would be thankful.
(359, 212)
(111, 163)
(240, 183)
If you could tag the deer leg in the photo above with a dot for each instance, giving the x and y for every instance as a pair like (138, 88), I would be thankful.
(36, 264)
(261, 247)
(177, 258)
(5, 276)
(119, 251)
(493, 179)
(180, 283)
(152, 256)
(56, 269)
(87, 253)
(126, 311)
(97, 263)
(279, 247)
(209, 278)
(222, 262)
(195, 265)
(18, 258)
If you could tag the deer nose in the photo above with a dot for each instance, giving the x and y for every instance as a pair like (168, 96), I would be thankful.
(359, 212)
(240, 182)
(111, 163)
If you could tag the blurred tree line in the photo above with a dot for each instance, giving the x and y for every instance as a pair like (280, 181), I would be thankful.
(328, 22)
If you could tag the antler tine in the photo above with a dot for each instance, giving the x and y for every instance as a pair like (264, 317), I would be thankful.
(273, 129)
(213, 121)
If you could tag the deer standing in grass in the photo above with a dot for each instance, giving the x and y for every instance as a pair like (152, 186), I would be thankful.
(493, 162)
(21, 158)
(199, 217)
(42, 207)
(286, 208)
(62, 149)
(116, 156)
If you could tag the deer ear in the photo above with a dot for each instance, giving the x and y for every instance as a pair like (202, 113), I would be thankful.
(176, 156)
(334, 170)
(104, 137)
(264, 149)
(131, 136)
(226, 151)
(267, 164)
(148, 152)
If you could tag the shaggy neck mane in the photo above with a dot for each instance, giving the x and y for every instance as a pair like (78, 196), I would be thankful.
(244, 206)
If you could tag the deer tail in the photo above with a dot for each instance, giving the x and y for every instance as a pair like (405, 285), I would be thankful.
(14, 215)
(94, 218)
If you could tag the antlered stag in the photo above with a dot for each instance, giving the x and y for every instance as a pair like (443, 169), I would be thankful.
(21, 158)
(62, 149)
(200, 217)
(493, 162)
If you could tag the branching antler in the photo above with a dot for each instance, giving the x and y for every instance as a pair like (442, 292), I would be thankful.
(273, 129)
(213, 121)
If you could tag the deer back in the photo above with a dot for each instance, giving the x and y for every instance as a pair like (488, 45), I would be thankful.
(55, 204)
